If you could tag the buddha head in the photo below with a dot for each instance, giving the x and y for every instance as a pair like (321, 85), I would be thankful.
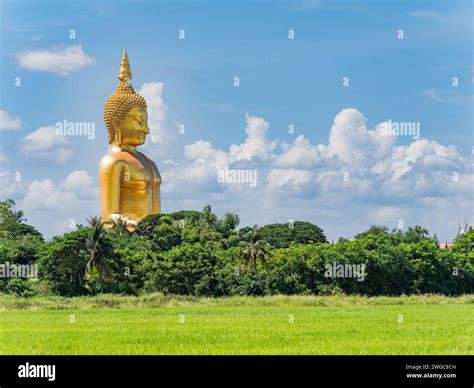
(125, 114)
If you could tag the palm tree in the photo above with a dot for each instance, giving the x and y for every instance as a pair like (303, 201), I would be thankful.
(99, 252)
(119, 226)
(255, 250)
(208, 218)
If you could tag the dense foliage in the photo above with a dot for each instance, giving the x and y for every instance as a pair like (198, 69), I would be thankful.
(297, 232)
(195, 253)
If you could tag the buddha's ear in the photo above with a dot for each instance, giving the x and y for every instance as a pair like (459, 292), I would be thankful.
(117, 133)
(116, 123)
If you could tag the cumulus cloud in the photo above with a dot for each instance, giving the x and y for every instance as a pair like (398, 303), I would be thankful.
(153, 94)
(354, 154)
(353, 143)
(202, 152)
(57, 207)
(61, 61)
(81, 183)
(291, 178)
(387, 214)
(11, 185)
(256, 144)
(299, 154)
(360, 172)
(54, 208)
(203, 160)
(44, 143)
(8, 123)
(45, 194)
(421, 155)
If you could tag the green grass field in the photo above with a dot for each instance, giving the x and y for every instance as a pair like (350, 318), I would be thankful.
(155, 324)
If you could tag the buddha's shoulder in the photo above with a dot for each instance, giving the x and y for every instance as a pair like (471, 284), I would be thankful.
(113, 159)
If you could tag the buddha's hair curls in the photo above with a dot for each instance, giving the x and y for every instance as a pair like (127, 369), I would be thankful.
(119, 104)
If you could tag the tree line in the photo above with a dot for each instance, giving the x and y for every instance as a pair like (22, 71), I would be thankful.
(196, 253)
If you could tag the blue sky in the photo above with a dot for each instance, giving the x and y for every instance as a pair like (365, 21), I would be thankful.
(282, 81)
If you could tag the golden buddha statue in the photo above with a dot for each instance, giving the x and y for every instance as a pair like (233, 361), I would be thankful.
(129, 181)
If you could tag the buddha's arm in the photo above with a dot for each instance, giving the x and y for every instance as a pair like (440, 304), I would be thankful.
(156, 205)
(156, 198)
(110, 172)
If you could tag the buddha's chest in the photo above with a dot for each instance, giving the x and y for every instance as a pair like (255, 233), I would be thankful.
(139, 174)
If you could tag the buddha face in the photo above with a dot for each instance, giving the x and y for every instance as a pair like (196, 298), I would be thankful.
(134, 127)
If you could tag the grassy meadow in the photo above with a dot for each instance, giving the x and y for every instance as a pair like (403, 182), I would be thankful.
(158, 324)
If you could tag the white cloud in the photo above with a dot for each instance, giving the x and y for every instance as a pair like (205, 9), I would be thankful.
(11, 185)
(386, 214)
(81, 183)
(199, 168)
(153, 94)
(44, 138)
(292, 178)
(360, 177)
(256, 144)
(45, 194)
(421, 154)
(353, 143)
(44, 143)
(203, 160)
(54, 208)
(300, 154)
(202, 152)
(8, 123)
(62, 61)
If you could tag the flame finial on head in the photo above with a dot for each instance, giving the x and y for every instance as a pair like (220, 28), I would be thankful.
(125, 74)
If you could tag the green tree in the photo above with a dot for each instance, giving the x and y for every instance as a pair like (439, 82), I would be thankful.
(208, 218)
(374, 230)
(252, 251)
(19, 243)
(416, 234)
(99, 252)
(299, 232)
(12, 221)
(228, 224)
(188, 216)
(119, 227)
(61, 262)
(20, 250)
(166, 235)
(186, 269)
(464, 243)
